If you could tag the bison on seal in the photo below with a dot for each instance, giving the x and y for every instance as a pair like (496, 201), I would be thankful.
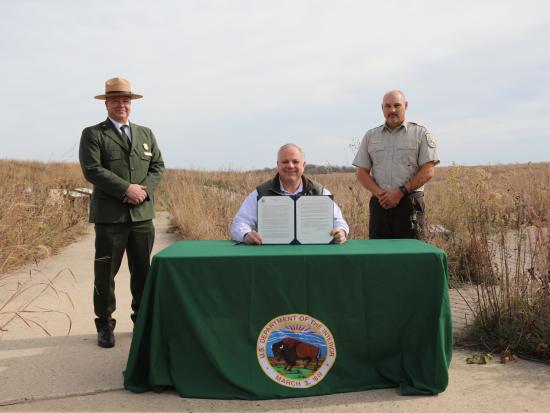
(292, 350)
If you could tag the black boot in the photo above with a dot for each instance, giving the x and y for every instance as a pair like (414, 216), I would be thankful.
(105, 337)
(105, 328)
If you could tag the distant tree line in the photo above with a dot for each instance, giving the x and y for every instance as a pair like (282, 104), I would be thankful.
(327, 169)
(320, 169)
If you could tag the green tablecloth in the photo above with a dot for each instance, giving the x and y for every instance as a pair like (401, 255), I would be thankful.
(207, 302)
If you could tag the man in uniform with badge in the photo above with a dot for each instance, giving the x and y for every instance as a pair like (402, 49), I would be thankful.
(393, 162)
(124, 164)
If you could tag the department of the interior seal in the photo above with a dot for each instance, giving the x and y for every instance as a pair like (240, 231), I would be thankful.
(296, 350)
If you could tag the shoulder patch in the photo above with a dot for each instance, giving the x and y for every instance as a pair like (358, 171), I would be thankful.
(430, 140)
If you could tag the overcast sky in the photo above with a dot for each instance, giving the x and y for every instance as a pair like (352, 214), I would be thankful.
(225, 83)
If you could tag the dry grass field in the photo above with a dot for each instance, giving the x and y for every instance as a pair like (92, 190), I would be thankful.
(36, 217)
(495, 221)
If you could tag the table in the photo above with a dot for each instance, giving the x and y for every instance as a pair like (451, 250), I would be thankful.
(210, 323)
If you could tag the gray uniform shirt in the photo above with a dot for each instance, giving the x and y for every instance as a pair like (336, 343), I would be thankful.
(393, 158)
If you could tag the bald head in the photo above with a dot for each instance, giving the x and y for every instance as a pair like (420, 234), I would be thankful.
(394, 106)
(394, 94)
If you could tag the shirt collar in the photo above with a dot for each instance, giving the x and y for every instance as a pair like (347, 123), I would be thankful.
(118, 124)
(298, 190)
(404, 125)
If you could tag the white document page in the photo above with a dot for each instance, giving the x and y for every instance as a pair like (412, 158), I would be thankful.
(276, 219)
(314, 219)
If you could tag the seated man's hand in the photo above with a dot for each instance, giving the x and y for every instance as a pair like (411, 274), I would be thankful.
(339, 235)
(252, 237)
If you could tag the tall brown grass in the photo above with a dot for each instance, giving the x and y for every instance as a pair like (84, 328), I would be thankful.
(500, 217)
(202, 204)
(34, 220)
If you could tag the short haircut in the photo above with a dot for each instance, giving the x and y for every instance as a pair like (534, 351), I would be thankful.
(290, 145)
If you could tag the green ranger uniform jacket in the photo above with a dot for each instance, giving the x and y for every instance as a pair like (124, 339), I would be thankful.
(111, 164)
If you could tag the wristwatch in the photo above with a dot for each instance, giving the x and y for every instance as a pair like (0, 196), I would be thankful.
(404, 189)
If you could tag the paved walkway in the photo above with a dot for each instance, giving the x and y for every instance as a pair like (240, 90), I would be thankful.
(463, 301)
(70, 373)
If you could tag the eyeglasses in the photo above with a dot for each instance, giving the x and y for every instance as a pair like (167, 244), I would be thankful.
(119, 100)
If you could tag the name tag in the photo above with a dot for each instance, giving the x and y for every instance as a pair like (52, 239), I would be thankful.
(148, 153)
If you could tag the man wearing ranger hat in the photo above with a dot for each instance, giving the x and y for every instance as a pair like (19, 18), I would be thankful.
(124, 164)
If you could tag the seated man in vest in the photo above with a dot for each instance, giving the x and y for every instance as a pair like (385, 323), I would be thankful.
(290, 180)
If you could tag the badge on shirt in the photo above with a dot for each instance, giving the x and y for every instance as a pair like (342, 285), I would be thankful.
(147, 153)
(430, 139)
(145, 146)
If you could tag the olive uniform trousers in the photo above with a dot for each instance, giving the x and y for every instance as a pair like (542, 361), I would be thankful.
(136, 238)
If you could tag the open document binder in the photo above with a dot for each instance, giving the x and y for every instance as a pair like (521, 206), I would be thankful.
(295, 220)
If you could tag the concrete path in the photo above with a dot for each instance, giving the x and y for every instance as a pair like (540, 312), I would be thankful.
(68, 372)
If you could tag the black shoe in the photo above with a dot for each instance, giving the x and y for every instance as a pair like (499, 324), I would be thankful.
(105, 338)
